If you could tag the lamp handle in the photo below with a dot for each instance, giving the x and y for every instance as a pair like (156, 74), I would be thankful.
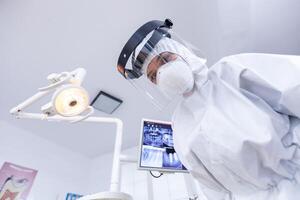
(63, 78)
(89, 110)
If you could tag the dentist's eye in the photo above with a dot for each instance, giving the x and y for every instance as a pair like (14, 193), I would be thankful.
(168, 57)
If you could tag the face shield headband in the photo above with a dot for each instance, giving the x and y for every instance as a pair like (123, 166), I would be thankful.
(159, 29)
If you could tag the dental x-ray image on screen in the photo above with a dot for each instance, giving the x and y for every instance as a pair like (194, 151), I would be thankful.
(157, 147)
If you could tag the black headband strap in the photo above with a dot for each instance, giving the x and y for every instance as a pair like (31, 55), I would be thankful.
(137, 38)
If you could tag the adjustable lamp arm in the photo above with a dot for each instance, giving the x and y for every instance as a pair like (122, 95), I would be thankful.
(56, 80)
(70, 81)
(115, 176)
(19, 108)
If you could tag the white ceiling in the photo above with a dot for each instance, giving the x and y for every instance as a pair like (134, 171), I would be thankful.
(38, 37)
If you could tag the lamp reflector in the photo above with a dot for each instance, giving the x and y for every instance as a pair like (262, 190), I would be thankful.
(70, 100)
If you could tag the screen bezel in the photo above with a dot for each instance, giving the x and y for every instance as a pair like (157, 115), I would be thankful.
(141, 148)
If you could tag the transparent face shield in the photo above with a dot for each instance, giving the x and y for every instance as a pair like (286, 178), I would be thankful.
(162, 67)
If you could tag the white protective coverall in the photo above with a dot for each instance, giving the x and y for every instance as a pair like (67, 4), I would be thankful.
(238, 132)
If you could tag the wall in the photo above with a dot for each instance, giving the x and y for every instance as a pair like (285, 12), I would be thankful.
(259, 26)
(276, 26)
(220, 28)
(59, 170)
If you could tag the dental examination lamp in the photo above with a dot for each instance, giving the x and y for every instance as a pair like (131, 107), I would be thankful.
(70, 103)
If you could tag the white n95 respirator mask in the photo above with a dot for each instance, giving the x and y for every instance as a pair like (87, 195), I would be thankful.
(175, 78)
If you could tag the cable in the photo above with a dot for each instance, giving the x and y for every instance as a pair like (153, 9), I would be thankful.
(168, 186)
(156, 176)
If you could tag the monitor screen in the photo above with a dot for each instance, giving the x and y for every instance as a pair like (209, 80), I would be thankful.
(157, 147)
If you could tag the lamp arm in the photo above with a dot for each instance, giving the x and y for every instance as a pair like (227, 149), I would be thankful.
(128, 159)
(115, 176)
(29, 101)
(116, 169)
(59, 79)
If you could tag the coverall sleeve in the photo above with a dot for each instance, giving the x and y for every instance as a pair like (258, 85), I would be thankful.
(212, 194)
(210, 188)
(274, 78)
